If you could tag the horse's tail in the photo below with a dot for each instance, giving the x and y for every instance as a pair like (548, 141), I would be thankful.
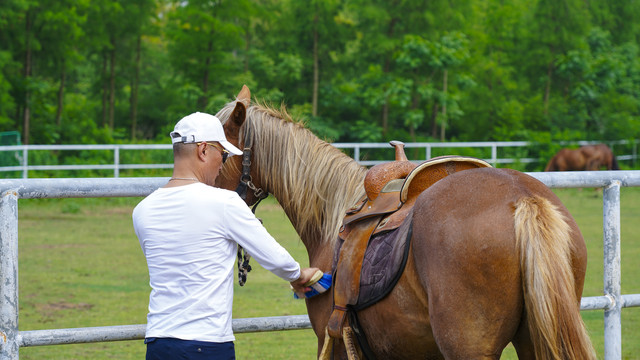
(545, 246)
(614, 162)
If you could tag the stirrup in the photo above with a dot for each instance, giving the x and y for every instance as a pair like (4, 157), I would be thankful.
(351, 347)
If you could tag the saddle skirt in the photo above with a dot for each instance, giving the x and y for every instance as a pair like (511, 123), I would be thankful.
(384, 260)
(374, 239)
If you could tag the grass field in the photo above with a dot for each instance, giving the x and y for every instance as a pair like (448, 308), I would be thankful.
(81, 266)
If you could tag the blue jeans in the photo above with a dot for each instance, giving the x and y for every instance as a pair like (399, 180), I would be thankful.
(176, 349)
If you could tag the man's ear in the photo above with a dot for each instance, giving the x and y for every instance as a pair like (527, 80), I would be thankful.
(201, 151)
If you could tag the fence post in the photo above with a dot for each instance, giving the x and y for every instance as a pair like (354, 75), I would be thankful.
(611, 229)
(25, 163)
(494, 155)
(116, 161)
(9, 347)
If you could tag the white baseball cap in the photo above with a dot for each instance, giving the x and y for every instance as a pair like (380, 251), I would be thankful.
(199, 127)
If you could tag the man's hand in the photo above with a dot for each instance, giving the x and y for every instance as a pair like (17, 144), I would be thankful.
(301, 284)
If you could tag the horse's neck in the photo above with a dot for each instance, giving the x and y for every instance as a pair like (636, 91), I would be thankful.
(325, 185)
(319, 230)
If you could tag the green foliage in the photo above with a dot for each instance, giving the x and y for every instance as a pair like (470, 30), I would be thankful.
(7, 101)
(109, 71)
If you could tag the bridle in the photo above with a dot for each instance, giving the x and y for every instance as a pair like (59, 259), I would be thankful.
(245, 178)
(244, 184)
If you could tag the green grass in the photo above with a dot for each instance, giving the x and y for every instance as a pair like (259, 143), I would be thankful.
(81, 266)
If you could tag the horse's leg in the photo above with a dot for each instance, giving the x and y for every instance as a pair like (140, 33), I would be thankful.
(522, 341)
(593, 164)
(319, 307)
(469, 269)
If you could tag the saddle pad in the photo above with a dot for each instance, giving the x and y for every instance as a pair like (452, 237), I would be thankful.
(383, 264)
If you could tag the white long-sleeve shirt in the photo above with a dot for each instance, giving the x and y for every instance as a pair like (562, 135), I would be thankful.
(189, 236)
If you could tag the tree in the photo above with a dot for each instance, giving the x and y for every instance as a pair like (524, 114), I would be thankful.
(59, 32)
(202, 37)
(110, 70)
(557, 26)
(10, 11)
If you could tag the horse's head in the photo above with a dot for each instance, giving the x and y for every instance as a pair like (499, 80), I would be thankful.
(238, 173)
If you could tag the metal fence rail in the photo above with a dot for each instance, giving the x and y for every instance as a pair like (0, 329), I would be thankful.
(492, 146)
(19, 154)
(11, 338)
(136, 332)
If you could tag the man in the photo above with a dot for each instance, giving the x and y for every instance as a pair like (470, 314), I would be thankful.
(189, 231)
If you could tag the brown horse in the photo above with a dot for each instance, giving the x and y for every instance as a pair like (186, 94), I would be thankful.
(495, 257)
(586, 158)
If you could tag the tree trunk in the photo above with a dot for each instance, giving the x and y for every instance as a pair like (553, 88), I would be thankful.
(415, 104)
(247, 42)
(444, 106)
(134, 91)
(385, 116)
(112, 84)
(547, 89)
(27, 74)
(434, 120)
(386, 70)
(105, 89)
(63, 76)
(205, 76)
(385, 105)
(316, 68)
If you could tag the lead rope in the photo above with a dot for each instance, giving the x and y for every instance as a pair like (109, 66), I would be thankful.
(243, 255)
(245, 182)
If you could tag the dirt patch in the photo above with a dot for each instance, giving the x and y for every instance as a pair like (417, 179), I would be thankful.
(49, 312)
(118, 210)
(59, 246)
(63, 305)
(114, 210)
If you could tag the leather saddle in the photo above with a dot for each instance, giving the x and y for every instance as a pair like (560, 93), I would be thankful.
(378, 230)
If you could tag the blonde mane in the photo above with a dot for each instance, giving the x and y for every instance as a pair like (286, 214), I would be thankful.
(314, 182)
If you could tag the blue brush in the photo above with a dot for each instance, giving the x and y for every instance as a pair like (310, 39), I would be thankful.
(319, 283)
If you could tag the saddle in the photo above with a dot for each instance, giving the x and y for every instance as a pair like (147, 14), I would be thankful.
(377, 230)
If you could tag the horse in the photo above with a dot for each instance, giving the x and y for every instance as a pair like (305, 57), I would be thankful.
(495, 257)
(586, 158)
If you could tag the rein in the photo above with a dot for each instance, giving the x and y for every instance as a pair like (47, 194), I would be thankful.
(247, 183)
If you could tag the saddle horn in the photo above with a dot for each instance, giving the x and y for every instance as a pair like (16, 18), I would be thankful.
(399, 146)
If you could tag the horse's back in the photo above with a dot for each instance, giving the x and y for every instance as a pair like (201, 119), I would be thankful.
(473, 211)
(600, 155)
(569, 160)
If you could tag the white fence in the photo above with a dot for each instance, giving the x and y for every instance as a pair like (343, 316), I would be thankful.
(19, 154)
(11, 338)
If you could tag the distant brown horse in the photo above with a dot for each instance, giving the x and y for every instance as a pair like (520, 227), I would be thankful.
(495, 257)
(586, 158)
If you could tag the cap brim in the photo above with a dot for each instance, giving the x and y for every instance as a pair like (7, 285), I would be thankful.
(230, 148)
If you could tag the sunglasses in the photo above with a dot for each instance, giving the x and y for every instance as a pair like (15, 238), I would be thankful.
(223, 151)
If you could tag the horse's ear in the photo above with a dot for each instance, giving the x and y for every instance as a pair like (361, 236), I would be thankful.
(240, 112)
(244, 95)
(238, 115)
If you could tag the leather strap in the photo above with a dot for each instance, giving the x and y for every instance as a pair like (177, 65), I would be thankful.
(346, 279)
